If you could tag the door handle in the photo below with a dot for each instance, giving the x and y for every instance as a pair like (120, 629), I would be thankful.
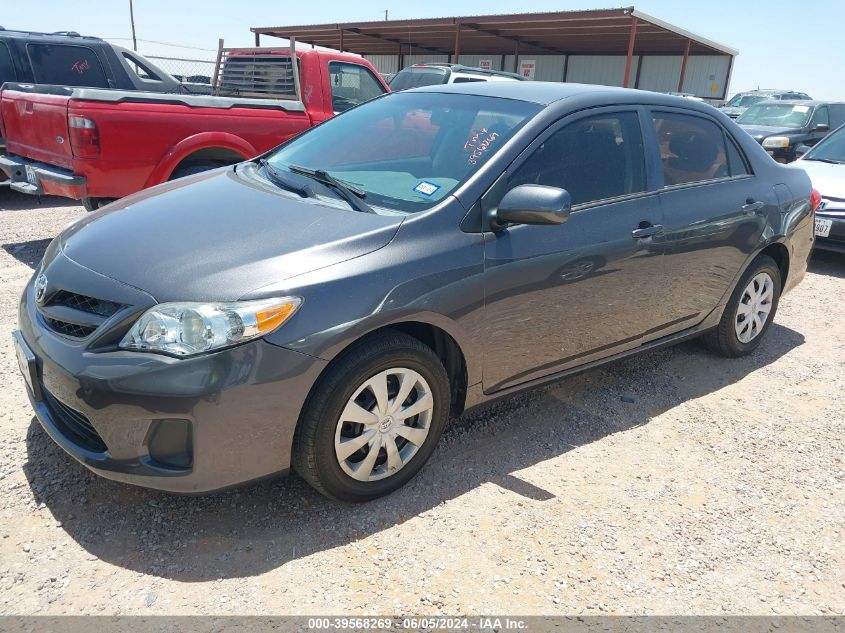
(751, 206)
(647, 231)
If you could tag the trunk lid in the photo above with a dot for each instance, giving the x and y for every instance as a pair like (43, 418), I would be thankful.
(35, 126)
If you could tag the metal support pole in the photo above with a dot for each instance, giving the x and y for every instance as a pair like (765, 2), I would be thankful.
(628, 61)
(217, 65)
(341, 40)
(257, 40)
(515, 55)
(457, 59)
(684, 66)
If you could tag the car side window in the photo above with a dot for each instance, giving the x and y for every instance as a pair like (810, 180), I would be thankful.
(7, 69)
(821, 117)
(692, 149)
(594, 158)
(140, 69)
(352, 84)
(736, 161)
(66, 65)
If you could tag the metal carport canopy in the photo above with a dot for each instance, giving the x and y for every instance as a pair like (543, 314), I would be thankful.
(594, 32)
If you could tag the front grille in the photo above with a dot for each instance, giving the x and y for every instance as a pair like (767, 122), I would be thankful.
(70, 329)
(74, 425)
(61, 320)
(100, 307)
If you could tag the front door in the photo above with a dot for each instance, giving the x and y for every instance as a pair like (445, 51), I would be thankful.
(560, 296)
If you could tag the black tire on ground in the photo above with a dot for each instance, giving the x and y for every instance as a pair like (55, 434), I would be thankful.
(194, 168)
(92, 204)
(723, 339)
(314, 456)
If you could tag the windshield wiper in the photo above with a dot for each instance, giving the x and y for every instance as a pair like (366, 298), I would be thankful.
(348, 192)
(280, 180)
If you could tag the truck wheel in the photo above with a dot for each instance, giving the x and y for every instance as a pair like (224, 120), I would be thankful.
(750, 310)
(194, 168)
(92, 204)
(373, 420)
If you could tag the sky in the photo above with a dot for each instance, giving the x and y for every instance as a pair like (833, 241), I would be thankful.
(782, 43)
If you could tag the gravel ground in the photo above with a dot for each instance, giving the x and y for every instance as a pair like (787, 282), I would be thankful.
(671, 483)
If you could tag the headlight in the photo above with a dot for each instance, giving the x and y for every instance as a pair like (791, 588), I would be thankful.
(776, 141)
(185, 329)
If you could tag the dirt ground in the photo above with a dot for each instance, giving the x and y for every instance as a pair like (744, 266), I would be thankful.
(672, 483)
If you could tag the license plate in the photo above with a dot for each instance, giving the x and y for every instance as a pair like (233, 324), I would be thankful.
(31, 176)
(823, 227)
(27, 364)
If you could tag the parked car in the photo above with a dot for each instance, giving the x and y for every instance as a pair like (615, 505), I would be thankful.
(97, 145)
(825, 164)
(780, 127)
(741, 101)
(433, 74)
(329, 305)
(70, 59)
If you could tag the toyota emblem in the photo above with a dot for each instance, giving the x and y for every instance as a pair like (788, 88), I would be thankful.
(40, 288)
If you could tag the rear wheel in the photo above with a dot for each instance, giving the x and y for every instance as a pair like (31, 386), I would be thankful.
(194, 168)
(750, 310)
(92, 204)
(373, 420)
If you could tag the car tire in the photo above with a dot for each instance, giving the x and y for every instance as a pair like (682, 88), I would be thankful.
(737, 333)
(92, 204)
(194, 168)
(349, 386)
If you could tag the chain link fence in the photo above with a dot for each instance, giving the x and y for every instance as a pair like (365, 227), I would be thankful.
(196, 73)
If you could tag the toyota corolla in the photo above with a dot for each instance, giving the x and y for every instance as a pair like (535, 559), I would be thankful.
(328, 306)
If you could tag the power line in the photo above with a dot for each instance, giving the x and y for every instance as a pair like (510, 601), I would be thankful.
(129, 39)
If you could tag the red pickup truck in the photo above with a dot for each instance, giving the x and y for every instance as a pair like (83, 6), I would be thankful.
(96, 145)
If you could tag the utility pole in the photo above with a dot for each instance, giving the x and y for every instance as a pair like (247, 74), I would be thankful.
(132, 20)
(385, 15)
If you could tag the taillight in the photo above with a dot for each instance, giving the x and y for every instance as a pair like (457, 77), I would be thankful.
(815, 199)
(84, 137)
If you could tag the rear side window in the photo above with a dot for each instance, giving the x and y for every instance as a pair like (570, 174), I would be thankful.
(352, 84)
(66, 65)
(466, 80)
(692, 149)
(140, 69)
(595, 158)
(736, 161)
(821, 117)
(7, 69)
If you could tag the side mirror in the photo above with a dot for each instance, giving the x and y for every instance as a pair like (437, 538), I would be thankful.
(802, 149)
(821, 127)
(533, 204)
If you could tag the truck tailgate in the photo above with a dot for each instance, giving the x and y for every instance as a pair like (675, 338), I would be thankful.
(35, 126)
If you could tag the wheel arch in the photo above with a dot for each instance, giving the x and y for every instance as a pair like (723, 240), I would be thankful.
(218, 146)
(778, 252)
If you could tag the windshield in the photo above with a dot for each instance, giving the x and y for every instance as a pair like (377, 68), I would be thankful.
(775, 114)
(418, 77)
(743, 101)
(831, 149)
(410, 150)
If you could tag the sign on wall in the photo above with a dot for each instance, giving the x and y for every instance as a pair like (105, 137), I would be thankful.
(486, 64)
(527, 68)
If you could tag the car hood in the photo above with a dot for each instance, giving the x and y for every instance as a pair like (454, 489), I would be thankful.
(828, 179)
(218, 235)
(759, 132)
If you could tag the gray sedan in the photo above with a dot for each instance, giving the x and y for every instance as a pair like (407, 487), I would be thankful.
(330, 305)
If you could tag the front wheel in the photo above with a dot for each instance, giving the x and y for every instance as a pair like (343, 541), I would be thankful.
(750, 310)
(92, 204)
(373, 420)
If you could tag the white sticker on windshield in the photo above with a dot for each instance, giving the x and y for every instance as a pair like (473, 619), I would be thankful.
(801, 108)
(427, 188)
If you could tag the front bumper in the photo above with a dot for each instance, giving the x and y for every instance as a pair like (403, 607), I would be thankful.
(107, 409)
(835, 241)
(38, 179)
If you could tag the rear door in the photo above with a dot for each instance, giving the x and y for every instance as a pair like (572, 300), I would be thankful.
(560, 296)
(714, 211)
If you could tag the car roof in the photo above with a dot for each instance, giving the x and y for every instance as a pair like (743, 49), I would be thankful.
(547, 92)
(59, 35)
(807, 102)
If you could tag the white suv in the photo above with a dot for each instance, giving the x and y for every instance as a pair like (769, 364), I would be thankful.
(433, 74)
